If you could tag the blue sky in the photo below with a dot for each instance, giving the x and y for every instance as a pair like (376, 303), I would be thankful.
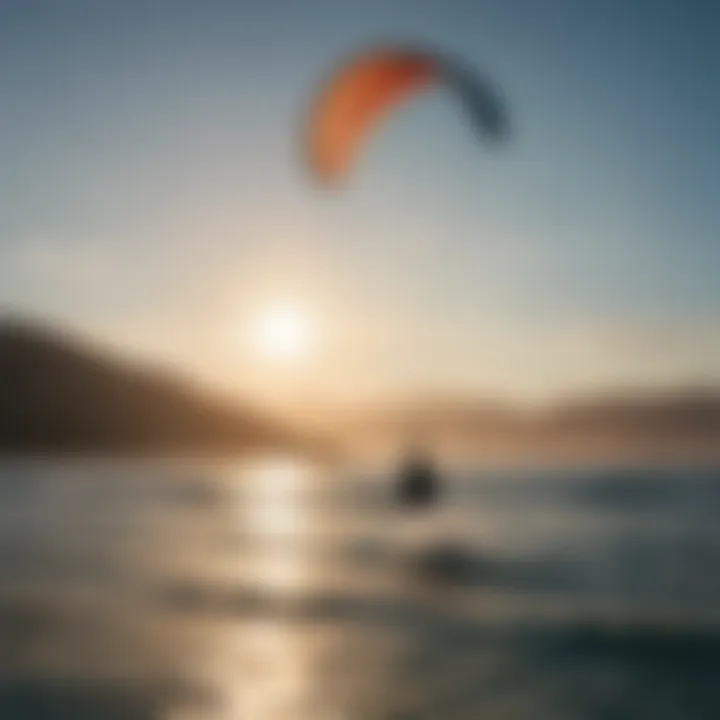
(151, 193)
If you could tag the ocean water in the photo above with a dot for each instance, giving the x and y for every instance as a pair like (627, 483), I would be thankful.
(268, 589)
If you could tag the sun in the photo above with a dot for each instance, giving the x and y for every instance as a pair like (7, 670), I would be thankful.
(283, 332)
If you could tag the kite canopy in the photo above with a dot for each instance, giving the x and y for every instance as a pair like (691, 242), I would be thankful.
(374, 83)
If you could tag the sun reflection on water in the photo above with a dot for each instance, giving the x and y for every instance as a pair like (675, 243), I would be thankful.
(265, 670)
(266, 667)
(271, 510)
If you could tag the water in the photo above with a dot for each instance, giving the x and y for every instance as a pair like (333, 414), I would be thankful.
(270, 590)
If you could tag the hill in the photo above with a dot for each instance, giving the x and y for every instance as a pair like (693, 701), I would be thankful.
(60, 394)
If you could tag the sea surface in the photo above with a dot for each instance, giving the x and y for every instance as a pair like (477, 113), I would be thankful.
(268, 589)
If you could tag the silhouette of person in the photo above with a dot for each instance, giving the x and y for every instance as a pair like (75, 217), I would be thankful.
(418, 482)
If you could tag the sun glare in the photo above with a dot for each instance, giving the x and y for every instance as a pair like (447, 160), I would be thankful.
(283, 332)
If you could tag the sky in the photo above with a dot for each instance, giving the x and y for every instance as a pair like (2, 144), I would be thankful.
(152, 194)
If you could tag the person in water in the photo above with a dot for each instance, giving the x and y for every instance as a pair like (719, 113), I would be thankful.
(418, 481)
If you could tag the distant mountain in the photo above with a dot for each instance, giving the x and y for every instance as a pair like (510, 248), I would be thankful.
(694, 412)
(59, 394)
(679, 424)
